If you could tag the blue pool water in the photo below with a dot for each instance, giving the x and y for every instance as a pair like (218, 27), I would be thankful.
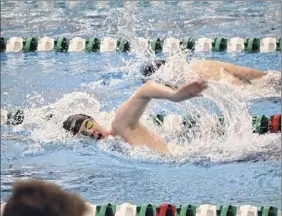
(243, 169)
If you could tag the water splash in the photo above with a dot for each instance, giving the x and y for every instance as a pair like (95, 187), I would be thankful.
(207, 142)
(235, 141)
(267, 86)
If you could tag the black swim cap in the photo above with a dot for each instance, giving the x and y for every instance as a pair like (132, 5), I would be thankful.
(152, 67)
(74, 122)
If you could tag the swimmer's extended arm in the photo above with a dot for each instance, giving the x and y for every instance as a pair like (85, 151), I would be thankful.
(129, 113)
(241, 72)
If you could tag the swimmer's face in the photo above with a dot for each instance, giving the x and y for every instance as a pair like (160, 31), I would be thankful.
(93, 129)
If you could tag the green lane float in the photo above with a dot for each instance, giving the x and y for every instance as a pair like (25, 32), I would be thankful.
(228, 210)
(106, 210)
(144, 3)
(187, 43)
(158, 119)
(157, 45)
(260, 124)
(189, 121)
(123, 45)
(3, 43)
(15, 117)
(171, 2)
(146, 210)
(219, 45)
(93, 45)
(61, 45)
(60, 4)
(252, 45)
(268, 211)
(278, 45)
(221, 120)
(30, 44)
(186, 210)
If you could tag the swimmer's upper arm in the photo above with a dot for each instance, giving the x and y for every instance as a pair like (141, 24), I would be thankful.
(129, 113)
(243, 73)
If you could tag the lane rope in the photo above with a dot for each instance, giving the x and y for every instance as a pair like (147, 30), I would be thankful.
(261, 124)
(128, 209)
(157, 45)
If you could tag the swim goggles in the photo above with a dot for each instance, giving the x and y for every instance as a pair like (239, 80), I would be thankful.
(88, 124)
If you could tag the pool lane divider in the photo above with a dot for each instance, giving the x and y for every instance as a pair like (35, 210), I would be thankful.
(105, 210)
(30, 44)
(157, 45)
(261, 124)
(166, 209)
(13, 117)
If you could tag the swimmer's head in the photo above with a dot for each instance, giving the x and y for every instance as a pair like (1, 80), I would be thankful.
(85, 125)
(152, 67)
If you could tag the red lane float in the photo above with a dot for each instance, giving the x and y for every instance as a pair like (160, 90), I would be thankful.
(275, 124)
(166, 210)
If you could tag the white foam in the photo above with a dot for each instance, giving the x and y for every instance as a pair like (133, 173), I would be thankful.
(267, 86)
(204, 142)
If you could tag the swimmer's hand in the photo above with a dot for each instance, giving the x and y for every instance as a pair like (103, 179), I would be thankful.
(192, 89)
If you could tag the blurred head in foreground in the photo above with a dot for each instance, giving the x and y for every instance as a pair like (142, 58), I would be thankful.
(41, 198)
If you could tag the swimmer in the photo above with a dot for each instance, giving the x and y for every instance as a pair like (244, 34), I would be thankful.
(126, 121)
(214, 70)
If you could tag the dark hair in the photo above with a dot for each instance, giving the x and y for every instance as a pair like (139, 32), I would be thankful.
(41, 198)
(74, 122)
(152, 67)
